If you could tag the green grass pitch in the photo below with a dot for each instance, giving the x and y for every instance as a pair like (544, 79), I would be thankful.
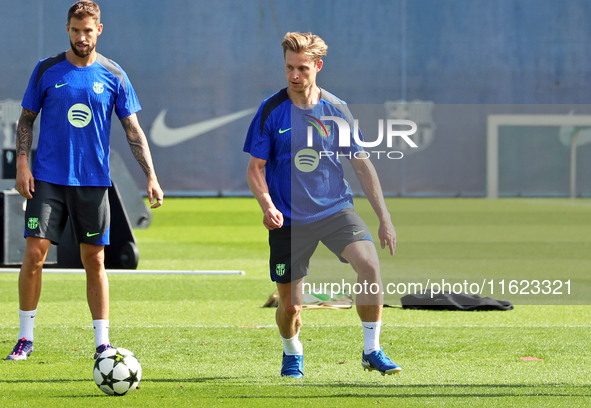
(206, 341)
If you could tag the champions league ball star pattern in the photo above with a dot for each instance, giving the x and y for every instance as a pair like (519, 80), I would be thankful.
(117, 371)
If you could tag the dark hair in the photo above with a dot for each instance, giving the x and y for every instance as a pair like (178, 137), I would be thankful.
(85, 8)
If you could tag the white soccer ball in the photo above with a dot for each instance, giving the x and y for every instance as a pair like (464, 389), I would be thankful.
(117, 371)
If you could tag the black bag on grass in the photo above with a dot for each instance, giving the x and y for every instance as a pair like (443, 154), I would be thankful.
(452, 301)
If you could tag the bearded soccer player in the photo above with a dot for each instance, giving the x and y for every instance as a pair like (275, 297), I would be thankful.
(77, 91)
(306, 200)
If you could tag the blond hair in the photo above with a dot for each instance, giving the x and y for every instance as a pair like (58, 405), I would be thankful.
(85, 8)
(307, 43)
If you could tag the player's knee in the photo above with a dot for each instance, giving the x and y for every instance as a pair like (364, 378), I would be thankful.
(370, 267)
(291, 311)
(93, 260)
(374, 265)
(34, 256)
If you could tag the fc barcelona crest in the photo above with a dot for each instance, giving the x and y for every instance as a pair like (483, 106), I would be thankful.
(420, 112)
(33, 223)
(280, 269)
(98, 88)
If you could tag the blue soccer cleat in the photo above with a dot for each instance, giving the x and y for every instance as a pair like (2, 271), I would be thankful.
(101, 348)
(22, 350)
(292, 366)
(379, 361)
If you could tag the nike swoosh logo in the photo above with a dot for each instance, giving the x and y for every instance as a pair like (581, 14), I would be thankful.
(357, 232)
(283, 131)
(164, 136)
(60, 85)
(88, 234)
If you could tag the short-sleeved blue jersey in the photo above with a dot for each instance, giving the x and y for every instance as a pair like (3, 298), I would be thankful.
(76, 104)
(306, 183)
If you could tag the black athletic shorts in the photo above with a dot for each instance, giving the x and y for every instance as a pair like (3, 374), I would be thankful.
(52, 204)
(293, 246)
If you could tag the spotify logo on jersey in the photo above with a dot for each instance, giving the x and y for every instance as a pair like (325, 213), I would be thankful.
(307, 160)
(79, 115)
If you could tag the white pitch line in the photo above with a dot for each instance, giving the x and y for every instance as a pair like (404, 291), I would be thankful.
(316, 326)
(131, 271)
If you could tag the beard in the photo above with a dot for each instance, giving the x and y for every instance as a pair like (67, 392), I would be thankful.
(82, 54)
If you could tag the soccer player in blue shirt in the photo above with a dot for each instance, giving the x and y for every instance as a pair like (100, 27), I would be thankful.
(77, 91)
(306, 200)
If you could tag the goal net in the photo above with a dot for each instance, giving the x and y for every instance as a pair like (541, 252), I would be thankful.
(538, 155)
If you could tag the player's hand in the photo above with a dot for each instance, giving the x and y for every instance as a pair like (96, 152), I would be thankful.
(273, 219)
(155, 193)
(387, 235)
(25, 183)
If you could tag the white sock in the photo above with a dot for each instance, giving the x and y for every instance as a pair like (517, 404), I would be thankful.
(371, 336)
(27, 320)
(101, 332)
(293, 346)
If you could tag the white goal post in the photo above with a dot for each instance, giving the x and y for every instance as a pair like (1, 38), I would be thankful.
(492, 142)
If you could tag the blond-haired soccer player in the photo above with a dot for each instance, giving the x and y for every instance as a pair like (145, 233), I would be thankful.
(77, 90)
(306, 200)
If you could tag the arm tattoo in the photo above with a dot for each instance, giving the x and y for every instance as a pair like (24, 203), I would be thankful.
(138, 143)
(24, 132)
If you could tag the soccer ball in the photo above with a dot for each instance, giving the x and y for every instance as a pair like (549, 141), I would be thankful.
(117, 371)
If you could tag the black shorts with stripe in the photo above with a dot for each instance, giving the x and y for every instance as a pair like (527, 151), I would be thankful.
(293, 246)
(87, 207)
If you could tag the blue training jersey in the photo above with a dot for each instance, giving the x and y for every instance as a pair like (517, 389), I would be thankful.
(306, 182)
(77, 104)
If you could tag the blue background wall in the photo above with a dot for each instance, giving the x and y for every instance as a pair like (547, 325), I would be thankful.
(201, 59)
